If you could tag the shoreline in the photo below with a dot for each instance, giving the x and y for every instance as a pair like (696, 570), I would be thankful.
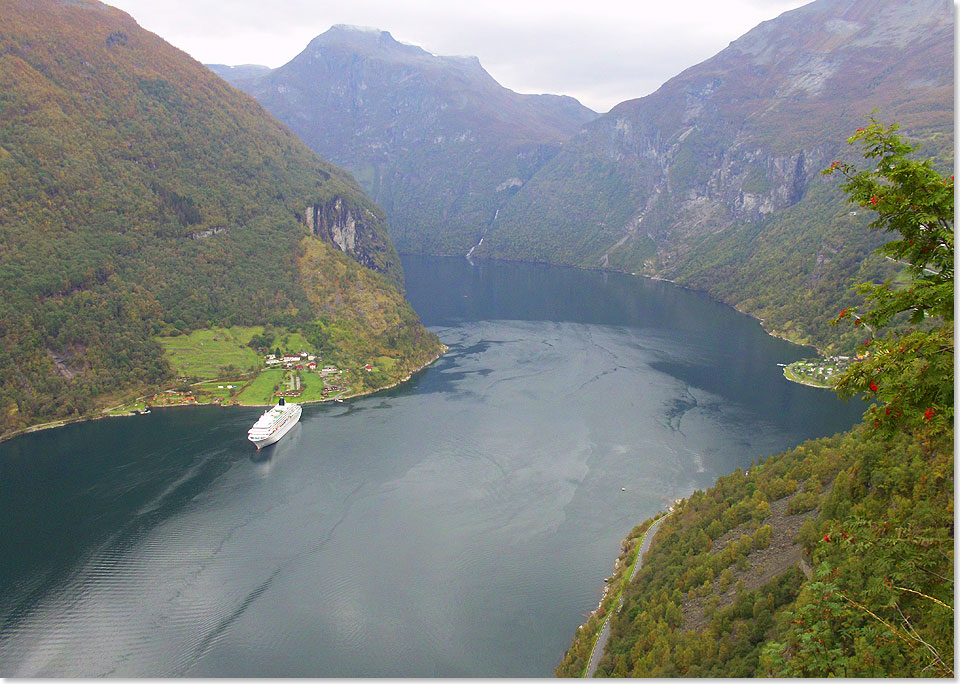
(637, 274)
(771, 333)
(399, 382)
(806, 383)
(82, 419)
(600, 642)
(445, 349)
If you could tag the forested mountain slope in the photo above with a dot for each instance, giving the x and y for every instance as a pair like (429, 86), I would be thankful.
(835, 558)
(435, 141)
(714, 179)
(141, 195)
(722, 591)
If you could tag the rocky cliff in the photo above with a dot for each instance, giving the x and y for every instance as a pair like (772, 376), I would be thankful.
(354, 231)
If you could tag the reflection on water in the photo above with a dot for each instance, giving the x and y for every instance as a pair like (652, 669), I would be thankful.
(459, 525)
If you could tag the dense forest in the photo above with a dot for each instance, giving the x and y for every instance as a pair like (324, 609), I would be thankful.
(834, 558)
(140, 195)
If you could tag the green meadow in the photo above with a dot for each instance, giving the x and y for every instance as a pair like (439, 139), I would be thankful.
(260, 390)
(212, 353)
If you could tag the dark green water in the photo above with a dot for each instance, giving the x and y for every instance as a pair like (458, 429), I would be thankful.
(460, 525)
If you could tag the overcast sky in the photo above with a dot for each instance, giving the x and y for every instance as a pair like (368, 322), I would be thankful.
(600, 51)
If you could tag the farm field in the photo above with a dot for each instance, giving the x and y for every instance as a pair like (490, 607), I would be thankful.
(212, 353)
(261, 388)
(219, 390)
(217, 365)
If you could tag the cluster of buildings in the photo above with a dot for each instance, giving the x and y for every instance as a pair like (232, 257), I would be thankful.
(305, 361)
(171, 398)
(823, 369)
(302, 361)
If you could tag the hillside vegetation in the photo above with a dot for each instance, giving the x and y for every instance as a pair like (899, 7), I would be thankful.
(835, 558)
(140, 196)
(713, 181)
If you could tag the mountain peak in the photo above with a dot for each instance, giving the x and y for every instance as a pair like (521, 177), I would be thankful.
(364, 40)
(357, 32)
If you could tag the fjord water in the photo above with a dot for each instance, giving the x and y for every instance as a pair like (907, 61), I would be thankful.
(459, 525)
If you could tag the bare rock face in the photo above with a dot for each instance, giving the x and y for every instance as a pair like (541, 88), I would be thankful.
(335, 223)
(352, 230)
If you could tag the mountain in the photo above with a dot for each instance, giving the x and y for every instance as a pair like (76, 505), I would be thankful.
(714, 179)
(435, 141)
(141, 195)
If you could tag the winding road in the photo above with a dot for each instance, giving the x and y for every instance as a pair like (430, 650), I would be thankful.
(605, 630)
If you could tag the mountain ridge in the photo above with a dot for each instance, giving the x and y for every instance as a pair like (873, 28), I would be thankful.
(434, 140)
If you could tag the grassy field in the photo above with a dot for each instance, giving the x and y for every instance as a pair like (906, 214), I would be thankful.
(219, 367)
(256, 388)
(292, 342)
(124, 410)
(225, 390)
(229, 371)
(212, 352)
(261, 388)
(385, 363)
(311, 384)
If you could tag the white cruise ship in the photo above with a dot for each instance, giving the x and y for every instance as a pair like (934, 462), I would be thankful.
(274, 424)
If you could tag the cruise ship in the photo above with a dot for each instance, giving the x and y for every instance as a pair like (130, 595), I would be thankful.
(274, 424)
